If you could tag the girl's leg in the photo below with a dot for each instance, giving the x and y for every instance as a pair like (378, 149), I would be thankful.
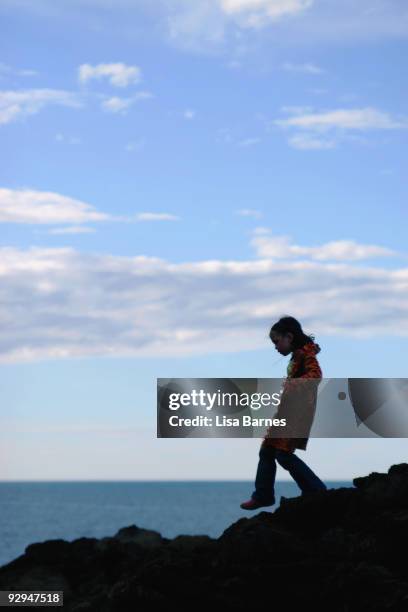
(305, 478)
(265, 476)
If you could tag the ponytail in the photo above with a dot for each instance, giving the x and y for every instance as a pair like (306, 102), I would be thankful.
(291, 325)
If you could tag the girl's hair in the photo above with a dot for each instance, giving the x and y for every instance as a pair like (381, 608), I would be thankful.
(291, 325)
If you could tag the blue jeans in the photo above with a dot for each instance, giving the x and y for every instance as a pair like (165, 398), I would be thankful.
(305, 478)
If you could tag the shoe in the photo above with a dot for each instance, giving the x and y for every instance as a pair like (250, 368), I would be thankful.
(252, 504)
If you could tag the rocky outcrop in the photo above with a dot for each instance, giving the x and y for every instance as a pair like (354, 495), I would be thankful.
(338, 550)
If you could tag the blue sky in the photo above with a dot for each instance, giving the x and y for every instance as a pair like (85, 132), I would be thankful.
(175, 176)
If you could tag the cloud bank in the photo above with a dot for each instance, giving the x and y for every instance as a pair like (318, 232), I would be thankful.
(29, 206)
(117, 74)
(60, 303)
(326, 129)
(16, 105)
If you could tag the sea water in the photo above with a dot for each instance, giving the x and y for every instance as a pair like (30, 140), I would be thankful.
(37, 511)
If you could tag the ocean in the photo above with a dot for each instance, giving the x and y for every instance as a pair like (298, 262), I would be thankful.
(37, 511)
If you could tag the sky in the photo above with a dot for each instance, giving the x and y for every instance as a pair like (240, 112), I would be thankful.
(175, 177)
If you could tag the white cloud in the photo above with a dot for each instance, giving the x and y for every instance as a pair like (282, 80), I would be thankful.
(341, 124)
(73, 229)
(296, 110)
(148, 216)
(248, 142)
(342, 21)
(225, 136)
(318, 91)
(258, 13)
(307, 68)
(206, 25)
(72, 140)
(310, 142)
(142, 95)
(89, 305)
(118, 74)
(249, 212)
(45, 207)
(189, 114)
(9, 70)
(280, 247)
(195, 25)
(260, 230)
(19, 104)
(115, 104)
(27, 73)
(212, 26)
(344, 119)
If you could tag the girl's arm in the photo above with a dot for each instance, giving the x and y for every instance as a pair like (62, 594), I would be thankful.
(312, 367)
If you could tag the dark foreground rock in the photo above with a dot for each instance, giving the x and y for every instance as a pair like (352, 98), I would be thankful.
(338, 550)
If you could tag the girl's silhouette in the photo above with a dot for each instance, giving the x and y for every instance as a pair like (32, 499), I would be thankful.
(288, 337)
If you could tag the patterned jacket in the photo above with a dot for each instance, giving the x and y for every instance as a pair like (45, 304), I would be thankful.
(303, 364)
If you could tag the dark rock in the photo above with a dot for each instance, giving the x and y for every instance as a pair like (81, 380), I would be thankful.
(341, 550)
(386, 489)
(142, 537)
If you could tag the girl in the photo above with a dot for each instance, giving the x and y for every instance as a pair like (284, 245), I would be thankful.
(288, 337)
